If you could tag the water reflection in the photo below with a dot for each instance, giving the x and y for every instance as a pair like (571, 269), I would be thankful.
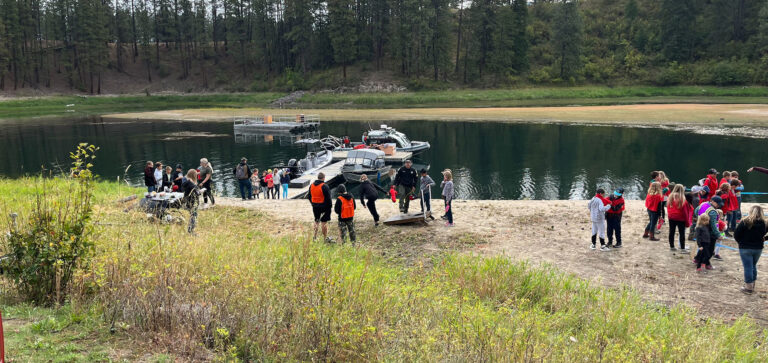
(489, 160)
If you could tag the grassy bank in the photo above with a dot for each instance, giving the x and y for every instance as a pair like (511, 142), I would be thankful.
(251, 286)
(531, 97)
(82, 105)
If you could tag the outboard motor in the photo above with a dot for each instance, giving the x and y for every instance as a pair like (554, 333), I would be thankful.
(291, 163)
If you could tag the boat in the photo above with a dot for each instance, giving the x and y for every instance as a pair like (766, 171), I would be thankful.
(368, 162)
(375, 139)
(276, 123)
(302, 170)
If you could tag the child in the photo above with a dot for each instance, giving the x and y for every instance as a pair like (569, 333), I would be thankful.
(695, 196)
(710, 208)
(736, 187)
(680, 212)
(703, 238)
(345, 209)
(255, 183)
(653, 203)
(726, 178)
(666, 190)
(597, 208)
(447, 194)
(729, 200)
(613, 217)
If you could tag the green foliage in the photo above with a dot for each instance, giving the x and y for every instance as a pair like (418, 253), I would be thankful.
(674, 74)
(567, 40)
(55, 238)
(730, 73)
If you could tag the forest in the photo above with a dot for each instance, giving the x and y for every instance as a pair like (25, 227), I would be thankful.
(425, 44)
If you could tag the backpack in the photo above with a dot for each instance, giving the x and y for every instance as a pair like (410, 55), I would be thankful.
(241, 172)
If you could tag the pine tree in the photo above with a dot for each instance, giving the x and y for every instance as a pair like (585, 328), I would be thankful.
(677, 29)
(567, 39)
(520, 36)
(341, 17)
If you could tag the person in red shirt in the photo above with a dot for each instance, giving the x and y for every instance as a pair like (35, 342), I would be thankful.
(726, 178)
(652, 204)
(680, 215)
(613, 217)
(711, 182)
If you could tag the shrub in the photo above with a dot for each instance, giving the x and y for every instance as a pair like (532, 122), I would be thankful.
(728, 73)
(46, 249)
(672, 75)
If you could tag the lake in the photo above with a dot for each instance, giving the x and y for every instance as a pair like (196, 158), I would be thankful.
(489, 160)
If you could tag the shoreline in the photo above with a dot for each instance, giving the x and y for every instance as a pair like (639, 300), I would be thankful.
(557, 233)
(639, 114)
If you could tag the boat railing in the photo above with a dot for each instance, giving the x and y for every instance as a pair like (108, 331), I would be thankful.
(239, 120)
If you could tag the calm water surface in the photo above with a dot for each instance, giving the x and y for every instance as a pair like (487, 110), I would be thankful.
(489, 160)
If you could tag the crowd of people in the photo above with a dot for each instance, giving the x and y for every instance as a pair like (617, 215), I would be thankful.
(710, 211)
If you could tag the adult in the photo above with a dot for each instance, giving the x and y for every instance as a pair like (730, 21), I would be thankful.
(168, 178)
(320, 197)
(425, 186)
(285, 181)
(243, 175)
(710, 209)
(149, 177)
(711, 182)
(158, 174)
(191, 198)
(405, 181)
(758, 169)
(368, 191)
(680, 214)
(750, 235)
(205, 178)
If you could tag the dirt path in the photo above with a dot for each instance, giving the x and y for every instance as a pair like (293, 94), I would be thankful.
(558, 233)
(649, 114)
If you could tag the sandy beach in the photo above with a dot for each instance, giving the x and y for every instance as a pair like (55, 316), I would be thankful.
(555, 233)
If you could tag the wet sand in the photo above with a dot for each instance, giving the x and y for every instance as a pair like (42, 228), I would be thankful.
(558, 233)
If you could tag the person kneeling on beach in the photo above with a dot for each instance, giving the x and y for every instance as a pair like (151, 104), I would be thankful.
(320, 197)
(613, 217)
(597, 208)
(345, 209)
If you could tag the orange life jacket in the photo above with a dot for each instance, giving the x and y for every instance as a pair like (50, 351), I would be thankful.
(347, 207)
(316, 191)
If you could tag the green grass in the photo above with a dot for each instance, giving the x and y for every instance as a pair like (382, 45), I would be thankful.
(590, 95)
(56, 105)
(250, 287)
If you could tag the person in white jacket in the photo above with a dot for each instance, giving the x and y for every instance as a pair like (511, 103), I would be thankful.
(597, 208)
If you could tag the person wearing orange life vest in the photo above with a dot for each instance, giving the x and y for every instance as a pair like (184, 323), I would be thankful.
(320, 197)
(345, 209)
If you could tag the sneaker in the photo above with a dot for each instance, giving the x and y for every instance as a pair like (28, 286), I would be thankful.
(617, 246)
(604, 248)
(698, 269)
(375, 224)
(717, 257)
(609, 245)
(444, 217)
(593, 247)
(710, 267)
(329, 240)
(672, 249)
(695, 261)
(447, 224)
(728, 234)
(685, 250)
(431, 217)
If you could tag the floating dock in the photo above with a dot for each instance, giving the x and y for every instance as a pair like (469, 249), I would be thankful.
(398, 157)
(332, 172)
(276, 123)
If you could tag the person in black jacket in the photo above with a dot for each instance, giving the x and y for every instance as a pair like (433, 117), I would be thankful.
(149, 177)
(369, 191)
(168, 178)
(750, 234)
(178, 176)
(320, 197)
(191, 198)
(406, 181)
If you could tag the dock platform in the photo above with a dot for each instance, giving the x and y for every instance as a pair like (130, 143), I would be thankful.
(332, 172)
(398, 157)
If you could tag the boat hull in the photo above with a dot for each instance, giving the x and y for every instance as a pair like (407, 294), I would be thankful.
(374, 175)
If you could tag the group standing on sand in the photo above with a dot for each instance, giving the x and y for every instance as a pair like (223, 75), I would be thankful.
(712, 211)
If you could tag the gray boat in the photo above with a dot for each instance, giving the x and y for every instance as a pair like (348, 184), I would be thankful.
(377, 137)
(368, 162)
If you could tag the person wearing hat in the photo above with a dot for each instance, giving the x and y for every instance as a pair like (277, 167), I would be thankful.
(178, 176)
(406, 181)
(345, 209)
(243, 174)
(711, 182)
(613, 217)
(710, 209)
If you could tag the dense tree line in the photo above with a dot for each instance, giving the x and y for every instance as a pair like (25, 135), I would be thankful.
(475, 42)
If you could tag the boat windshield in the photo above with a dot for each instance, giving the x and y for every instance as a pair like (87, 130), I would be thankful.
(361, 157)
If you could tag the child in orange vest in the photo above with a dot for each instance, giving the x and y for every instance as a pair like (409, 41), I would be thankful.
(345, 209)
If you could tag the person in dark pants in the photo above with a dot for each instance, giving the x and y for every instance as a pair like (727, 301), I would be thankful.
(191, 201)
(448, 193)
(320, 197)
(149, 177)
(345, 209)
(703, 239)
(613, 217)
(406, 181)
(750, 234)
(206, 174)
(680, 213)
(709, 209)
(369, 191)
(425, 186)
(243, 174)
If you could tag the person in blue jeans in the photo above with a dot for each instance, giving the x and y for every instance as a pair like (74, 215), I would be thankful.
(285, 180)
(243, 174)
(425, 185)
(750, 235)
